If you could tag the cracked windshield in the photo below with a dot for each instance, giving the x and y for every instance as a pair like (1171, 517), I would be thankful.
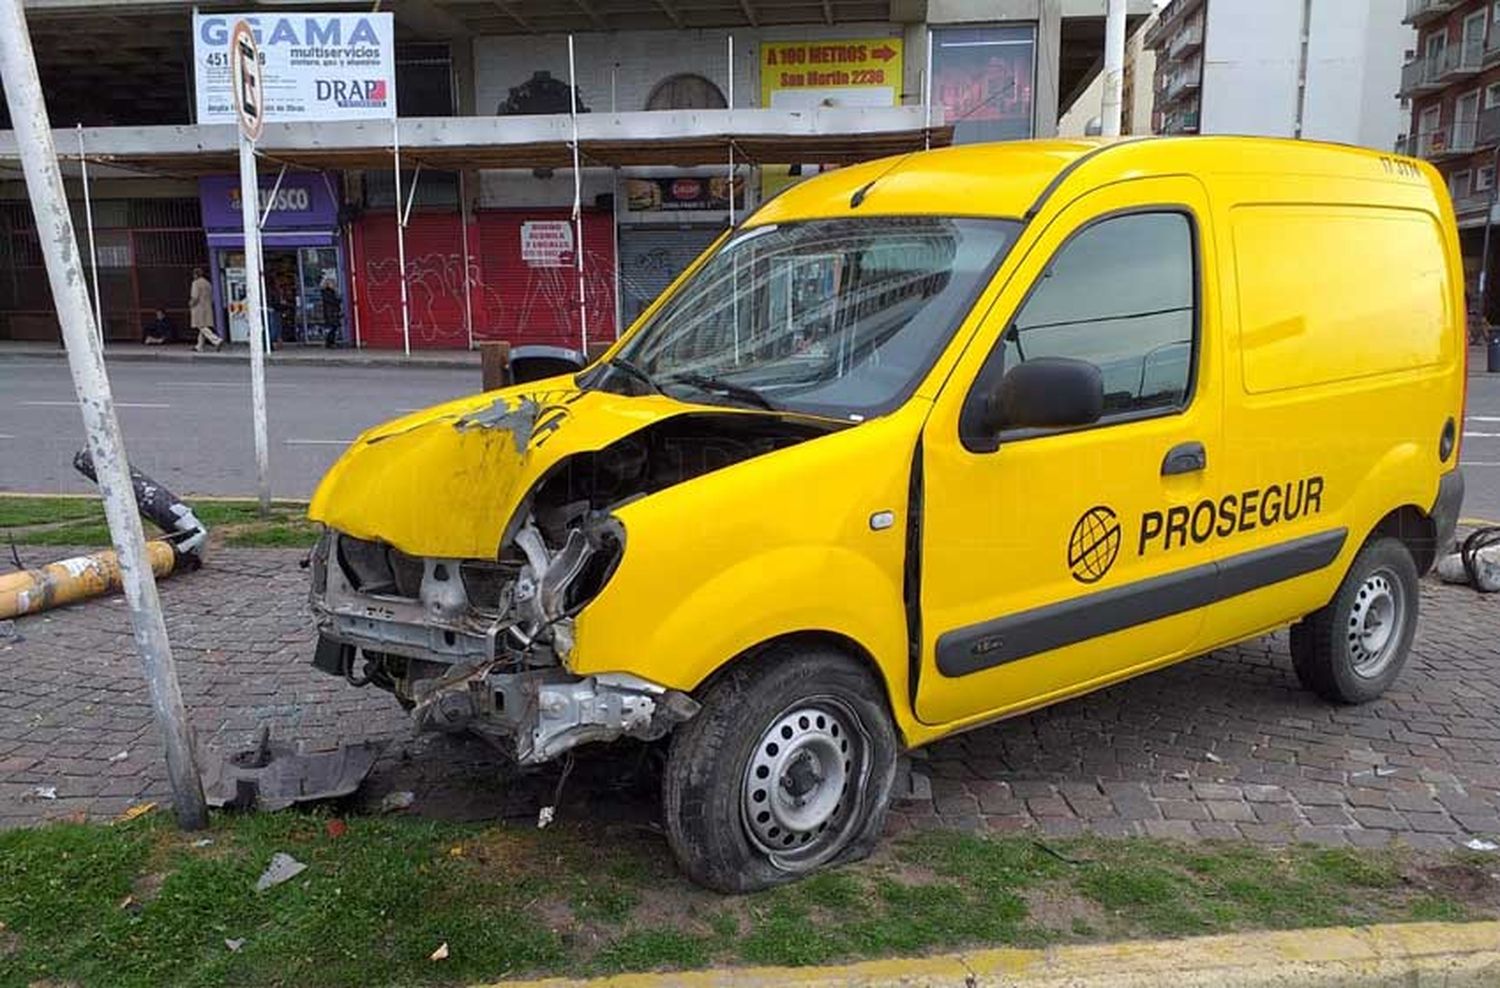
(834, 317)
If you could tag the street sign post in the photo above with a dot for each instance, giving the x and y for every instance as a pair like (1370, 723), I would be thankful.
(59, 247)
(249, 106)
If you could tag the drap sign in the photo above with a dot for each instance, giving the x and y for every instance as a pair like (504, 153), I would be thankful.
(312, 66)
(547, 243)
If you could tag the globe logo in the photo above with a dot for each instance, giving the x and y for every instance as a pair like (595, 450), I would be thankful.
(1094, 544)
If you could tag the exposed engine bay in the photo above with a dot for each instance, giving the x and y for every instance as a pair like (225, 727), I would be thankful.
(483, 644)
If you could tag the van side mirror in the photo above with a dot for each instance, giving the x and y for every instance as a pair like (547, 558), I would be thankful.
(1046, 393)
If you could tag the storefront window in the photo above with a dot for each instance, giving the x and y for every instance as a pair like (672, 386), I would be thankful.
(983, 78)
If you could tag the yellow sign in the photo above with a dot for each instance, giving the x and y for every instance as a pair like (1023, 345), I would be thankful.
(857, 72)
(802, 75)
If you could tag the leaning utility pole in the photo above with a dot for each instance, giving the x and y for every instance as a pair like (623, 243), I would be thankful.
(54, 224)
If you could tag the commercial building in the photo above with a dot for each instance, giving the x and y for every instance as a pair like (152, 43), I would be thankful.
(1318, 69)
(689, 115)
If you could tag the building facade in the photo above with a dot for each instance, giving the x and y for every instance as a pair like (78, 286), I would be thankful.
(1452, 79)
(489, 252)
(1316, 69)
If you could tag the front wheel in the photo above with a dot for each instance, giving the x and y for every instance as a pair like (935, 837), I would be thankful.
(1351, 650)
(788, 768)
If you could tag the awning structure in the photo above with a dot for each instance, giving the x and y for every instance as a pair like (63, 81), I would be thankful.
(683, 138)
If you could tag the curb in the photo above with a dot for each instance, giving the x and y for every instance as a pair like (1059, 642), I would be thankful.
(465, 362)
(1454, 955)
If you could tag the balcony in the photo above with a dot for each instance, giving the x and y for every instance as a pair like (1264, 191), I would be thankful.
(1187, 40)
(1488, 133)
(1448, 141)
(1459, 61)
(1471, 203)
(1180, 122)
(1419, 12)
(1418, 78)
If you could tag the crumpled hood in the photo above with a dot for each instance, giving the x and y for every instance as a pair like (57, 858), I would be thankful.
(445, 481)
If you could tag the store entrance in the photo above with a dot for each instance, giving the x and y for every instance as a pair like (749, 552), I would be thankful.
(303, 297)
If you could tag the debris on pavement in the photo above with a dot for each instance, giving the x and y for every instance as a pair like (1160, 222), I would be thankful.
(283, 868)
(119, 757)
(1479, 844)
(398, 800)
(138, 810)
(441, 954)
(272, 776)
(184, 532)
(8, 633)
(44, 792)
(1476, 561)
(235, 944)
(1213, 757)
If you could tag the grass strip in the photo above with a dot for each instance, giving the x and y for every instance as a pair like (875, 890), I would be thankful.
(140, 904)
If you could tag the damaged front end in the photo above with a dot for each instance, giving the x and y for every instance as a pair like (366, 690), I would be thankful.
(480, 645)
(482, 642)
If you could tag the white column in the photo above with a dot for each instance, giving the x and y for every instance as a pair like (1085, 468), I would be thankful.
(1114, 68)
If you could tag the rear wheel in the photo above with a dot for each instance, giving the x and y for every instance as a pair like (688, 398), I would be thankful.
(788, 768)
(1353, 649)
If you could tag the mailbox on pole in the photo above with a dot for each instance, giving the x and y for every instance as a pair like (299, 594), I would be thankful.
(245, 72)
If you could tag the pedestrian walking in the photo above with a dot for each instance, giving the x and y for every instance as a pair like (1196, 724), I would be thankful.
(201, 312)
(333, 315)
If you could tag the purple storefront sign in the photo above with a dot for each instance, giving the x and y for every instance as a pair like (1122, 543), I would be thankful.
(304, 212)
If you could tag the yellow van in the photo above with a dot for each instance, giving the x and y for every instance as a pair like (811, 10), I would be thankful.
(921, 444)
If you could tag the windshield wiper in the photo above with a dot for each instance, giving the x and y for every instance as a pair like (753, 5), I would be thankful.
(631, 370)
(704, 382)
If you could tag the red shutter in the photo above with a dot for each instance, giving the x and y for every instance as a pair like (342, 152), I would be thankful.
(529, 303)
(435, 286)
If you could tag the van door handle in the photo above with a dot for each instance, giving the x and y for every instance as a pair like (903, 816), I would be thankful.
(1188, 457)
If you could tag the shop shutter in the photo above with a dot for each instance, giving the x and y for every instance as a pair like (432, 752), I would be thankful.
(435, 285)
(651, 257)
(526, 301)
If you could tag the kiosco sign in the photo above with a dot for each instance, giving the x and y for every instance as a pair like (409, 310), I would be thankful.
(313, 66)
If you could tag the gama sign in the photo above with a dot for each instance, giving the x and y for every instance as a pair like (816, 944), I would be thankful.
(313, 67)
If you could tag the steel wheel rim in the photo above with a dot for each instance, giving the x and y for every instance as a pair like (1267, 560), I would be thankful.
(804, 783)
(1377, 623)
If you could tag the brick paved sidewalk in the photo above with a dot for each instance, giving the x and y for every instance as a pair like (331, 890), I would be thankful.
(1224, 746)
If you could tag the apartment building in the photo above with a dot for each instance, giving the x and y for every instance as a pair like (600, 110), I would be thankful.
(1453, 82)
(1317, 69)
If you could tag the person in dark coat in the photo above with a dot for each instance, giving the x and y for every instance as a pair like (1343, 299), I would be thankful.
(333, 314)
(158, 330)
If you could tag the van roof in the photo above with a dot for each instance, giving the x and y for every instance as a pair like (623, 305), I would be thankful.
(1011, 179)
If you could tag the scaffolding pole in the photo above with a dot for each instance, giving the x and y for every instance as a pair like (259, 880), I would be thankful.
(583, 305)
(59, 245)
(927, 96)
(463, 227)
(88, 219)
(401, 237)
(731, 136)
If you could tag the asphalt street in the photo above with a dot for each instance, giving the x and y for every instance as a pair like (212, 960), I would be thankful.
(188, 423)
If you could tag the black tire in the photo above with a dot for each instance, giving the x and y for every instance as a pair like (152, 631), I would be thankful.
(711, 778)
(1331, 648)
